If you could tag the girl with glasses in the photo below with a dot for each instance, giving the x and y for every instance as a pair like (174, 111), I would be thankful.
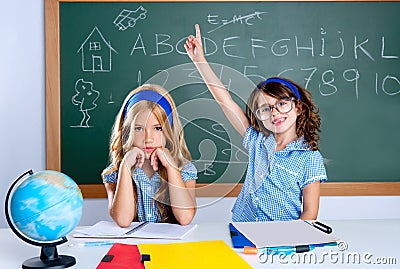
(280, 130)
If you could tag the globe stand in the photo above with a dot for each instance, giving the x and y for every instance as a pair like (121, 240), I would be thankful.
(49, 257)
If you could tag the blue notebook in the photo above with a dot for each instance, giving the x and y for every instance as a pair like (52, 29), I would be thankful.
(238, 239)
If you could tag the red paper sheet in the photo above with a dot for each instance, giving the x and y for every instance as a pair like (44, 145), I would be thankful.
(121, 256)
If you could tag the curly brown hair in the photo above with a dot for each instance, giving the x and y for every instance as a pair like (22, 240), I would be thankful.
(307, 123)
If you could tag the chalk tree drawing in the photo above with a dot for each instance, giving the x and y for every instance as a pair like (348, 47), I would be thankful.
(85, 98)
(96, 53)
(127, 18)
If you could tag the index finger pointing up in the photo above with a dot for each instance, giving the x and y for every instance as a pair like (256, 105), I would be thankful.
(198, 34)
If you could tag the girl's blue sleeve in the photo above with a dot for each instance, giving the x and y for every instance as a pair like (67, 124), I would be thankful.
(314, 170)
(110, 174)
(189, 172)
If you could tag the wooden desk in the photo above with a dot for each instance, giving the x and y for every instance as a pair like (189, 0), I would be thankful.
(369, 242)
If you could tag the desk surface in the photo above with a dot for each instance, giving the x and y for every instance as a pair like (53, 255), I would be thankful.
(371, 243)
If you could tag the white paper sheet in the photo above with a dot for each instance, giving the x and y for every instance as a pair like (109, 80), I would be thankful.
(109, 229)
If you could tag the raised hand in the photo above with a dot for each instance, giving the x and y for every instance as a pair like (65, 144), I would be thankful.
(194, 46)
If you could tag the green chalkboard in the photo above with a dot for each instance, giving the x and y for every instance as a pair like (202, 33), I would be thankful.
(345, 53)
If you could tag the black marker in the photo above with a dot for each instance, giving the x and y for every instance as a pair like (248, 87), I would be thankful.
(322, 227)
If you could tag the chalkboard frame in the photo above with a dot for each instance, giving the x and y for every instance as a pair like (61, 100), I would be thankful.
(53, 126)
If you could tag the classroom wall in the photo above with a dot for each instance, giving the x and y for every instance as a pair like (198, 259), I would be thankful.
(22, 114)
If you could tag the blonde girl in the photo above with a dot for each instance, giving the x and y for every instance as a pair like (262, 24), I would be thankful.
(151, 177)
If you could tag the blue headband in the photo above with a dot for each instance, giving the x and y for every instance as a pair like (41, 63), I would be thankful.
(149, 95)
(285, 82)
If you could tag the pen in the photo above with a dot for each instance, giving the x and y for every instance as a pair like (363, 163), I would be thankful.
(325, 244)
(322, 227)
(297, 249)
(92, 244)
(137, 228)
(288, 250)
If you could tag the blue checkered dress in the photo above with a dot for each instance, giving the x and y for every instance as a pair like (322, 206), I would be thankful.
(274, 181)
(147, 188)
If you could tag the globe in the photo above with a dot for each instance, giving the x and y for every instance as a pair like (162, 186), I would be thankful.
(41, 209)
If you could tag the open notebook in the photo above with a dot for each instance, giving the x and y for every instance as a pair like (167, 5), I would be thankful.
(109, 229)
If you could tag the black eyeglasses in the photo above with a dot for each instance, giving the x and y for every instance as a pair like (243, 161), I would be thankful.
(282, 106)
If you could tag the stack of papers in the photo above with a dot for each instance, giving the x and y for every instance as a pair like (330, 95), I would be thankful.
(109, 229)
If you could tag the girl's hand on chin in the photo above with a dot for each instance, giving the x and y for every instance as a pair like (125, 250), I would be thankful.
(162, 156)
(134, 157)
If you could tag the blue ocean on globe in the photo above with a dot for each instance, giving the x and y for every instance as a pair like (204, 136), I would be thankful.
(46, 206)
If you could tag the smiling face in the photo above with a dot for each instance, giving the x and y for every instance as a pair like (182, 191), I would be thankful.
(278, 123)
(148, 132)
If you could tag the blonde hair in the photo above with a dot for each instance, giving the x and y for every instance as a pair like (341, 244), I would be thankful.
(122, 141)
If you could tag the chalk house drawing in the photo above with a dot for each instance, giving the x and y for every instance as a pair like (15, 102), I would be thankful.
(127, 18)
(85, 98)
(96, 53)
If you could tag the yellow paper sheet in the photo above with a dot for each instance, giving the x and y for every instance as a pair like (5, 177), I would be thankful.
(202, 254)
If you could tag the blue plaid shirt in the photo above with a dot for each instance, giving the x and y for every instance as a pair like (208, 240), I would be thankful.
(147, 188)
(274, 181)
